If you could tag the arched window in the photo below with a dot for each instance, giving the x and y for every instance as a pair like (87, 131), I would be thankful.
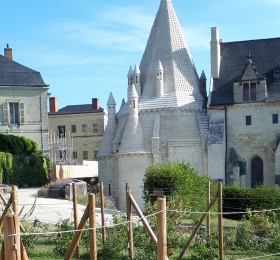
(256, 171)
(109, 189)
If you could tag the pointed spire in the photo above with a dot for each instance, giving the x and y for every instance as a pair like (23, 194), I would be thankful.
(130, 72)
(133, 92)
(202, 77)
(136, 69)
(159, 67)
(123, 102)
(111, 100)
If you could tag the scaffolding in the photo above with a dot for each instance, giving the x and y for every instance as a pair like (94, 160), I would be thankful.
(62, 151)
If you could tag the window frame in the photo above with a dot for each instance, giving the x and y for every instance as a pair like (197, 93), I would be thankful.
(84, 128)
(61, 134)
(275, 118)
(249, 91)
(73, 128)
(85, 155)
(248, 120)
(95, 128)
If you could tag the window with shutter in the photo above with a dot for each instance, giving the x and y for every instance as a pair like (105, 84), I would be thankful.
(21, 111)
(6, 113)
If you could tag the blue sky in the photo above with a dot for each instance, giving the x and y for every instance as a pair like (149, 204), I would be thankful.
(83, 48)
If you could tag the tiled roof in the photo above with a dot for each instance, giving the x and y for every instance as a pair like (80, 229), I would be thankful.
(87, 108)
(15, 74)
(265, 55)
(167, 44)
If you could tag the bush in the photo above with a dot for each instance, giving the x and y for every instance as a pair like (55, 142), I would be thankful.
(237, 198)
(179, 183)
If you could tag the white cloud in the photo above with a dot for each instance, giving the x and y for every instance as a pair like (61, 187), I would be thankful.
(197, 37)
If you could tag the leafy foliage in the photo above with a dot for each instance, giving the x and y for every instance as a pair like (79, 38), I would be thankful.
(179, 183)
(237, 198)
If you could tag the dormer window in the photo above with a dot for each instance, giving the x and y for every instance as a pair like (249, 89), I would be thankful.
(276, 75)
(249, 91)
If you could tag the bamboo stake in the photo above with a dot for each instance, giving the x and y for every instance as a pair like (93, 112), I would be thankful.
(144, 221)
(6, 210)
(14, 195)
(208, 202)
(102, 213)
(12, 243)
(198, 226)
(129, 219)
(220, 218)
(76, 223)
(77, 235)
(92, 226)
(161, 230)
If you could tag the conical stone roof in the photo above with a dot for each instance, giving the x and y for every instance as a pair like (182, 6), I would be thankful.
(167, 44)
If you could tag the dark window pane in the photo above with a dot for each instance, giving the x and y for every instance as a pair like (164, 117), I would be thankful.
(256, 171)
(14, 113)
(61, 131)
(245, 91)
(248, 120)
(253, 91)
(275, 118)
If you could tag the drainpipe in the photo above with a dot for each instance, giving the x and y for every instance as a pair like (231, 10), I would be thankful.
(226, 177)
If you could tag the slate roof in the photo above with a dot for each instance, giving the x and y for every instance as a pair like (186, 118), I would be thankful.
(15, 74)
(76, 109)
(265, 55)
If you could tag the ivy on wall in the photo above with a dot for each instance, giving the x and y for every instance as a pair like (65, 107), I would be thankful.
(21, 163)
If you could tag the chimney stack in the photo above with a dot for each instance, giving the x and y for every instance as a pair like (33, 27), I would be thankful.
(95, 103)
(8, 52)
(53, 105)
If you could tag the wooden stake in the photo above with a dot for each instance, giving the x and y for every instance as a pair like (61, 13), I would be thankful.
(102, 213)
(12, 250)
(76, 220)
(14, 195)
(208, 202)
(161, 230)
(144, 221)
(6, 210)
(77, 235)
(129, 224)
(220, 206)
(92, 225)
(198, 226)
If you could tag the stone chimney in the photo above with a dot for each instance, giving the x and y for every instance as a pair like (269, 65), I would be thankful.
(95, 103)
(8, 52)
(53, 105)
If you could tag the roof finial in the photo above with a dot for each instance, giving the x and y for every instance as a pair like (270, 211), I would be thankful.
(7, 45)
(249, 55)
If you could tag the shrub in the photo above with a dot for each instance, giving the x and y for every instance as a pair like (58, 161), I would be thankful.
(237, 198)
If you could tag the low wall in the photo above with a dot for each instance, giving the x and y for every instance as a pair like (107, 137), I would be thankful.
(88, 170)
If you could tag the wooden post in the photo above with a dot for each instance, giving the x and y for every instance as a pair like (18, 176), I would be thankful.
(14, 195)
(12, 246)
(198, 226)
(92, 226)
(208, 202)
(161, 230)
(76, 223)
(129, 219)
(77, 235)
(220, 206)
(102, 213)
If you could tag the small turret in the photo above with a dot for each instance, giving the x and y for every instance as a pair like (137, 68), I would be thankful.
(133, 100)
(137, 80)
(129, 80)
(202, 80)
(160, 70)
(111, 105)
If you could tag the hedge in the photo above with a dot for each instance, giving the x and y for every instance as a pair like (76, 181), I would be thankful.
(239, 199)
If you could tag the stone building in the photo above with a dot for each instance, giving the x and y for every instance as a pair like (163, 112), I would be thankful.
(23, 102)
(85, 124)
(164, 118)
(243, 110)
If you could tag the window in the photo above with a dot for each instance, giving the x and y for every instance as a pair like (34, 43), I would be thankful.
(84, 128)
(95, 154)
(85, 155)
(275, 119)
(73, 129)
(14, 113)
(109, 189)
(249, 91)
(248, 120)
(62, 154)
(95, 128)
(75, 155)
(61, 131)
